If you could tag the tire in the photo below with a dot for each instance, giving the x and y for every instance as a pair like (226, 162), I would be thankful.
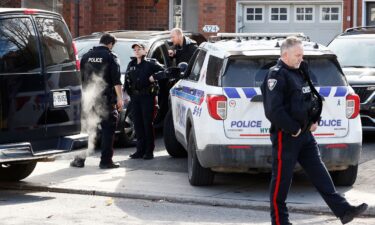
(198, 176)
(174, 148)
(126, 137)
(16, 171)
(345, 177)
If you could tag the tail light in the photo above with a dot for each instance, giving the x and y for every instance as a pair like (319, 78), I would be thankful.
(217, 106)
(78, 63)
(352, 106)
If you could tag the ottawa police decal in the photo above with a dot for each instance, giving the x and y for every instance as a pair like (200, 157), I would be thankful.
(271, 84)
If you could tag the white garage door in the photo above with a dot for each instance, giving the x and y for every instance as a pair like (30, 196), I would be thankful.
(321, 22)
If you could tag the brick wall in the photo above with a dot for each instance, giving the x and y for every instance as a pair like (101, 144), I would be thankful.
(10, 3)
(146, 15)
(105, 15)
(212, 12)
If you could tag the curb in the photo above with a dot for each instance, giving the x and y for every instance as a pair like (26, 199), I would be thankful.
(206, 201)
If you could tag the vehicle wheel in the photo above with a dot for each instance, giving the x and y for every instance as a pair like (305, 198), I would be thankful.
(16, 171)
(174, 148)
(198, 176)
(126, 137)
(345, 177)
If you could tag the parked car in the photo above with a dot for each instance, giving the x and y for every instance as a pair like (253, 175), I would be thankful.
(217, 118)
(158, 49)
(355, 52)
(40, 91)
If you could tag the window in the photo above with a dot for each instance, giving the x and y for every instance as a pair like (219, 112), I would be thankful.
(18, 46)
(213, 73)
(56, 44)
(279, 14)
(304, 14)
(330, 13)
(242, 71)
(254, 14)
(195, 72)
(250, 71)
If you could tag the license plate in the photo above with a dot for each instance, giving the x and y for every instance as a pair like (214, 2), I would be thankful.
(59, 99)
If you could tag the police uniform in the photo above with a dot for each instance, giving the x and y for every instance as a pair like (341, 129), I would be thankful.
(185, 52)
(292, 103)
(101, 61)
(143, 93)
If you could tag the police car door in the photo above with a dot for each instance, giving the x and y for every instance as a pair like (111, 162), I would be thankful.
(329, 80)
(189, 93)
(241, 81)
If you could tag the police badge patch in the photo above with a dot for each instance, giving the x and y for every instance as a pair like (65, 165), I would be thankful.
(271, 84)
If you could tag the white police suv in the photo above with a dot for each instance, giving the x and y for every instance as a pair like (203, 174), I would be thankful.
(217, 117)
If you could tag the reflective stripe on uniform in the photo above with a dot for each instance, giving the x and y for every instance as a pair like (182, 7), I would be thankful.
(279, 167)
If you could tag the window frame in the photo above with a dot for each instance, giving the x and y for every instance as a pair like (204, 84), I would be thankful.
(330, 21)
(279, 14)
(304, 14)
(254, 7)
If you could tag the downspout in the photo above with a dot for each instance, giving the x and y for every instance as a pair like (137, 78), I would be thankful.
(355, 11)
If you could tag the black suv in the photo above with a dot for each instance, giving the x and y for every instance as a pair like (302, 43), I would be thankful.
(355, 51)
(40, 91)
(158, 45)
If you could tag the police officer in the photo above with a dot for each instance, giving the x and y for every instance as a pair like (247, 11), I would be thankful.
(183, 47)
(293, 106)
(141, 85)
(101, 63)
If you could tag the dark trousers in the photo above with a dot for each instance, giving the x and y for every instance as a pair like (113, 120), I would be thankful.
(143, 107)
(286, 152)
(108, 125)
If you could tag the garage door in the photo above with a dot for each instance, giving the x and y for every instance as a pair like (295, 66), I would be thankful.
(321, 22)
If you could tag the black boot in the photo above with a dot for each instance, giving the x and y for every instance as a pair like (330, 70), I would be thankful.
(353, 212)
(77, 162)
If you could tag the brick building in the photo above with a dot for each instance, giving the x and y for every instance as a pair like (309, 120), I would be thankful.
(313, 17)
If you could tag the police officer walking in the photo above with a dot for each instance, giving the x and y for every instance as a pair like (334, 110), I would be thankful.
(183, 47)
(293, 106)
(103, 63)
(141, 85)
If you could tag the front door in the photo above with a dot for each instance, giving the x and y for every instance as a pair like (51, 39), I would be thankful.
(370, 14)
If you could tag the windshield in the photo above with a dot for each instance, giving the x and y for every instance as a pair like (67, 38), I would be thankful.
(122, 49)
(250, 71)
(354, 52)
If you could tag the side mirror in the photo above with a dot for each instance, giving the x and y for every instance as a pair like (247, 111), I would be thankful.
(183, 67)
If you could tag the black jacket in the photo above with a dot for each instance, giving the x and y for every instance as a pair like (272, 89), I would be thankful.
(290, 100)
(186, 51)
(137, 76)
(104, 63)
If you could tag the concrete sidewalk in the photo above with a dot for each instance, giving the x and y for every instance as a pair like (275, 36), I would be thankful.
(165, 178)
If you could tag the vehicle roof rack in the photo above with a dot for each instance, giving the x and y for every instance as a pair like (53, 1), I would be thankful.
(256, 36)
(364, 29)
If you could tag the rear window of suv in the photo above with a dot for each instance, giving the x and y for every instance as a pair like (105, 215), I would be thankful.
(354, 52)
(56, 43)
(18, 46)
(251, 71)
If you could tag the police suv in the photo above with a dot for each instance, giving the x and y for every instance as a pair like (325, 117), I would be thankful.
(217, 117)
